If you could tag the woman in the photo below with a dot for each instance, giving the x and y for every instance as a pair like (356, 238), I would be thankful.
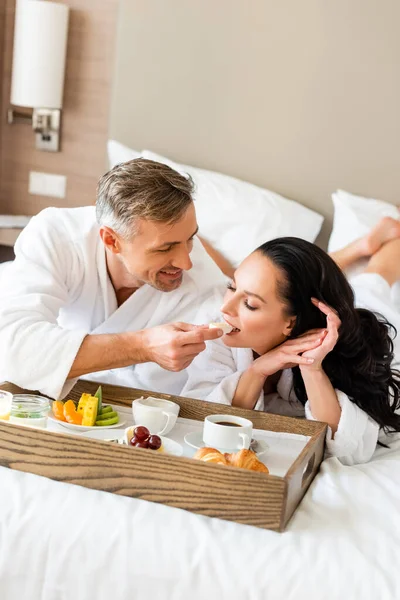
(300, 347)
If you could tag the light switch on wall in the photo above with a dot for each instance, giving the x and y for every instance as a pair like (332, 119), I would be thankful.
(46, 184)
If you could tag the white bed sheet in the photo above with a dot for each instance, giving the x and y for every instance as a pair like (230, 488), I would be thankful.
(59, 541)
(3, 267)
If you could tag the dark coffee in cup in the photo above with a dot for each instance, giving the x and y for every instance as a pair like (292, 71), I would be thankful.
(235, 435)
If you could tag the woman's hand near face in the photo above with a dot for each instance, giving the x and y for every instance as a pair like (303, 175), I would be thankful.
(286, 355)
(333, 324)
(290, 353)
(321, 395)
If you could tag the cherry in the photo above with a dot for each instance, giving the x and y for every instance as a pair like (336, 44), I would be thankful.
(154, 442)
(144, 444)
(141, 433)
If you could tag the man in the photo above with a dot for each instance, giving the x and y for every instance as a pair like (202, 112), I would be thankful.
(90, 288)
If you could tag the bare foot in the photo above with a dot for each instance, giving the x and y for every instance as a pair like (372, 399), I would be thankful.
(386, 230)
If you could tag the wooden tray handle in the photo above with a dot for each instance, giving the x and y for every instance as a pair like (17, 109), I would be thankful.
(308, 471)
(301, 473)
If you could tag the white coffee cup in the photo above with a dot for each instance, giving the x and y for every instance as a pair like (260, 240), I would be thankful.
(227, 432)
(158, 415)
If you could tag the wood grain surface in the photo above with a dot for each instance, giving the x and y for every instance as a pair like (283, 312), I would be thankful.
(229, 493)
(9, 236)
(85, 114)
(2, 43)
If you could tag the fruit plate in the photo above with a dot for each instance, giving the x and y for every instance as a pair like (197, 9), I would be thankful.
(83, 428)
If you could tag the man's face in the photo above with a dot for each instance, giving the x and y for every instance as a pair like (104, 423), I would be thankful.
(159, 252)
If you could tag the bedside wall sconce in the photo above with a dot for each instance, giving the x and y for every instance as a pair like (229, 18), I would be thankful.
(40, 43)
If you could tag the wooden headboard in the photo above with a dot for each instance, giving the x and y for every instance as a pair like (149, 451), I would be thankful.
(300, 97)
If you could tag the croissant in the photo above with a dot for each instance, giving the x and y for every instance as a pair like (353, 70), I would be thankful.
(246, 459)
(211, 455)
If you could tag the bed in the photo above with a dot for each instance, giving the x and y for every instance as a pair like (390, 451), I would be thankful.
(60, 541)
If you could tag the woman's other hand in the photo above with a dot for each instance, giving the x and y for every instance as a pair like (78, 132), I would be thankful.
(333, 324)
(290, 354)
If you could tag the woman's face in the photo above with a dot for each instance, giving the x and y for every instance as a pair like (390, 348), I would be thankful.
(252, 306)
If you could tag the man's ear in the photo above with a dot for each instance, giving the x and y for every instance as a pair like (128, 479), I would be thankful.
(110, 239)
(291, 322)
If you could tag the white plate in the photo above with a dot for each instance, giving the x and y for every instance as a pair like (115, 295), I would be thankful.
(195, 440)
(99, 433)
(83, 428)
(169, 446)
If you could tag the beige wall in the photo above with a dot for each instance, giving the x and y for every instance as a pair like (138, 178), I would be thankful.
(90, 57)
(302, 97)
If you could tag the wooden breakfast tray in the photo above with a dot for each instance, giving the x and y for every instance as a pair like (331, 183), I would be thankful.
(230, 493)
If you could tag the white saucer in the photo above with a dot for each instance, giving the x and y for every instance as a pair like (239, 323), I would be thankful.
(98, 433)
(168, 446)
(121, 437)
(195, 440)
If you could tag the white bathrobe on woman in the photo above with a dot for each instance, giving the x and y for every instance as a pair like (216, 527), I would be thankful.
(215, 373)
(57, 291)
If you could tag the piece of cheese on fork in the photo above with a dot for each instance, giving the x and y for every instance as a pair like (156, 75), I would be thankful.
(226, 328)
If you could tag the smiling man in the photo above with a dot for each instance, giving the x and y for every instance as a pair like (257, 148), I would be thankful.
(109, 293)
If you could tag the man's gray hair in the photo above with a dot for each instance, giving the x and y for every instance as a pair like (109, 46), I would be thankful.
(141, 189)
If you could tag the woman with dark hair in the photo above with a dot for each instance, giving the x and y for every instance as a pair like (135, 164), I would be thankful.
(300, 346)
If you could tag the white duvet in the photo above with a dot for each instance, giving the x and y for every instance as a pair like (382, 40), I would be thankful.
(61, 542)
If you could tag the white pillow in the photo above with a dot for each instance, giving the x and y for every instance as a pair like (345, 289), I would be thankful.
(235, 217)
(118, 153)
(354, 216)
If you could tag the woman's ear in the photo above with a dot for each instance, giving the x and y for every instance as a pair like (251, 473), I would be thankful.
(291, 322)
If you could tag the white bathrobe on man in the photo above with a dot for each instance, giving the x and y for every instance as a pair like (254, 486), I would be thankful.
(57, 291)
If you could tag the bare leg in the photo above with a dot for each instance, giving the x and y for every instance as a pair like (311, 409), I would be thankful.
(386, 230)
(386, 262)
(349, 254)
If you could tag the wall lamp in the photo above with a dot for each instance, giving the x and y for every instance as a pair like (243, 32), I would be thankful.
(40, 44)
